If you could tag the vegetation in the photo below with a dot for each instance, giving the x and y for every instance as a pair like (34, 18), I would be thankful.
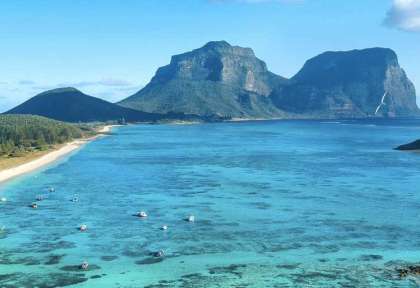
(20, 134)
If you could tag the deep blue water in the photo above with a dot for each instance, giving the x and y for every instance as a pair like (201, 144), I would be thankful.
(277, 204)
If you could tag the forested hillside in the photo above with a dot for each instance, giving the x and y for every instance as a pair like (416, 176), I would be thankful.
(25, 133)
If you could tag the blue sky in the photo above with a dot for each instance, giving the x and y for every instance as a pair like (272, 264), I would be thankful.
(110, 49)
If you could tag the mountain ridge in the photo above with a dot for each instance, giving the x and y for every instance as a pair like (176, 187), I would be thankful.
(218, 81)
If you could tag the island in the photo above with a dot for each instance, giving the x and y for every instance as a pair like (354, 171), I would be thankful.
(413, 146)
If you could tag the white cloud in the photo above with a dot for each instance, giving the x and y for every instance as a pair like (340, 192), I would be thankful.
(404, 15)
(103, 82)
(26, 82)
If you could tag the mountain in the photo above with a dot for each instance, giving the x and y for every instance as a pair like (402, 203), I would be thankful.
(413, 146)
(230, 81)
(71, 105)
(216, 79)
(357, 83)
(219, 81)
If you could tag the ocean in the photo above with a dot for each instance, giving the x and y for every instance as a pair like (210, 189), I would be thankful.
(276, 204)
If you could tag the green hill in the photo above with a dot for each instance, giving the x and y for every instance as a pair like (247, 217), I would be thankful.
(71, 105)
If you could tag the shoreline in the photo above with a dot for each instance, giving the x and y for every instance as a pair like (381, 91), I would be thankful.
(50, 157)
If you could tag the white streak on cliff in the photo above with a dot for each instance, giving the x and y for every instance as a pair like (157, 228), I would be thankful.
(381, 104)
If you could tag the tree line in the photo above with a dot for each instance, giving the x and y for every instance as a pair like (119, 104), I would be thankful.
(24, 133)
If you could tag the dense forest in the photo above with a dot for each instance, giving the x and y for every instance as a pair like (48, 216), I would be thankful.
(25, 133)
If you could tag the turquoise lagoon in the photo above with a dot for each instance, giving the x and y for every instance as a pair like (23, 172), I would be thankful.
(277, 204)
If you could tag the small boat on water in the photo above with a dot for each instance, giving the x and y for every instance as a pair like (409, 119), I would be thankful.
(84, 265)
(142, 214)
(51, 189)
(75, 199)
(190, 218)
(3, 199)
(83, 227)
(164, 228)
(159, 254)
(34, 206)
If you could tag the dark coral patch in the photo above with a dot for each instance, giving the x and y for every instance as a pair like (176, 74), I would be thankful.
(231, 269)
(149, 261)
(109, 258)
(370, 258)
(288, 266)
(95, 277)
(50, 280)
(53, 259)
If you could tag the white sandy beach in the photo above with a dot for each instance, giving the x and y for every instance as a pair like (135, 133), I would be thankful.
(48, 158)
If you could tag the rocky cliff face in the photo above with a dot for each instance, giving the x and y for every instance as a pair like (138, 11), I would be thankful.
(226, 80)
(358, 83)
(215, 79)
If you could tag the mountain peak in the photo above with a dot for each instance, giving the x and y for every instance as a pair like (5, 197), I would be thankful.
(223, 47)
(346, 65)
(61, 90)
(371, 56)
(202, 80)
(355, 83)
(217, 44)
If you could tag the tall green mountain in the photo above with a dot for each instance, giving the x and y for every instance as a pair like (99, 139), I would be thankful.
(71, 105)
(216, 79)
(228, 80)
(357, 83)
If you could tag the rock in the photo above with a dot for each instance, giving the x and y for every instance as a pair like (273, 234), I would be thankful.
(413, 146)
(413, 270)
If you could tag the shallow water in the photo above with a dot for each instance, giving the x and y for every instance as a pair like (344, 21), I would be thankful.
(277, 204)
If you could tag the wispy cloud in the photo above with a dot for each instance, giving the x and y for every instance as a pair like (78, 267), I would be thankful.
(404, 15)
(103, 82)
(26, 82)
